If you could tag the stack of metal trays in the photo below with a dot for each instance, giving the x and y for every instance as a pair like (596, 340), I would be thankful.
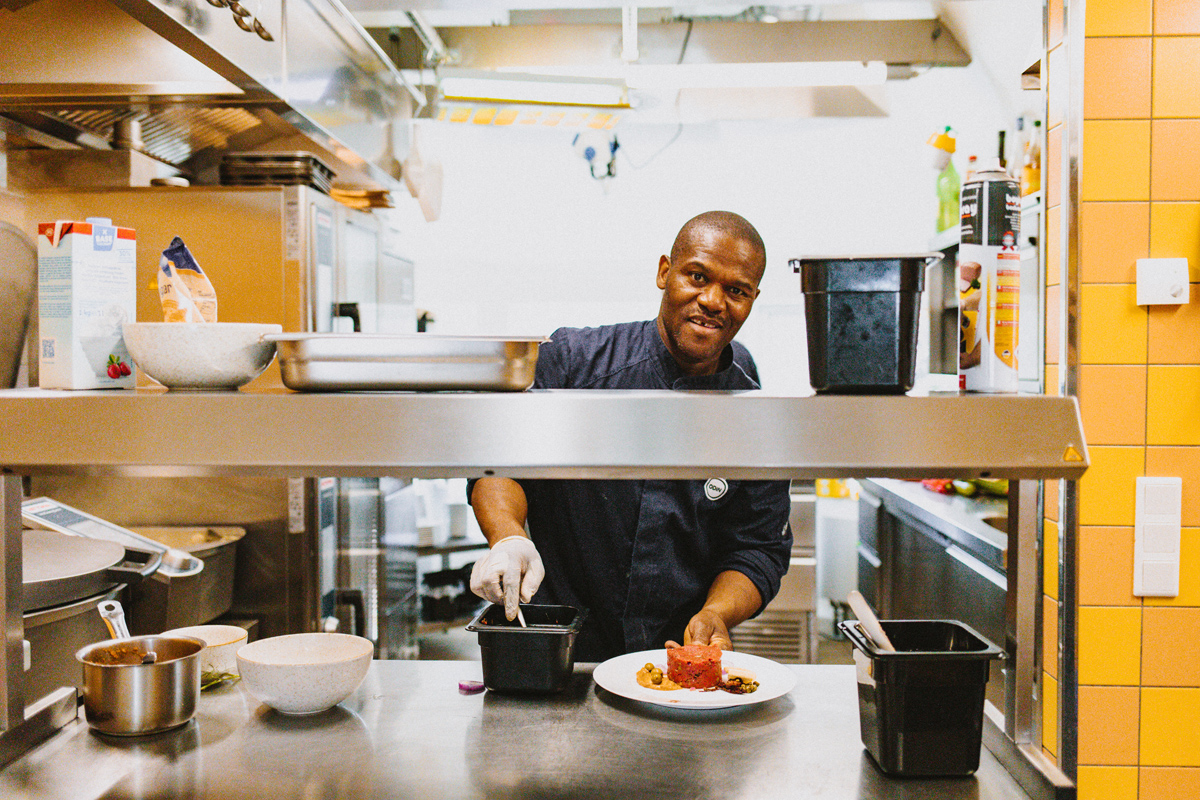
(332, 362)
(276, 169)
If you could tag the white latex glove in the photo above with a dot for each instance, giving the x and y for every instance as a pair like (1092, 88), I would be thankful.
(512, 571)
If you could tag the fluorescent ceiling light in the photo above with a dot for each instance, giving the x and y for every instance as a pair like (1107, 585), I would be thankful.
(519, 87)
(735, 76)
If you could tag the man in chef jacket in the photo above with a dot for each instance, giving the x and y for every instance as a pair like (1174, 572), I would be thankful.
(649, 560)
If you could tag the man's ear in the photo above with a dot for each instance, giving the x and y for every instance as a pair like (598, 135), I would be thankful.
(664, 266)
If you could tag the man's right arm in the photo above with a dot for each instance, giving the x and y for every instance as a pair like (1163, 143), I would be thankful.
(500, 508)
(512, 570)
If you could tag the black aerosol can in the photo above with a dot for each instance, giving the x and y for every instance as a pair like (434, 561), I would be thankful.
(989, 281)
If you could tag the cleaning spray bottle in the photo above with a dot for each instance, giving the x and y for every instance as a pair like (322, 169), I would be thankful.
(948, 183)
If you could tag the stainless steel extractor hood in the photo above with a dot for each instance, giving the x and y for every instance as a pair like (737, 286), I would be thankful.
(202, 77)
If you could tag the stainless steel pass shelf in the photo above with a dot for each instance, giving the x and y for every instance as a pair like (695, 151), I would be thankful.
(559, 433)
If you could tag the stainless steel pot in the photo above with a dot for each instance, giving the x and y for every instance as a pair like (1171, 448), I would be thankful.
(140, 685)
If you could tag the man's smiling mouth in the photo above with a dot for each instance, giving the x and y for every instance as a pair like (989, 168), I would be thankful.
(705, 323)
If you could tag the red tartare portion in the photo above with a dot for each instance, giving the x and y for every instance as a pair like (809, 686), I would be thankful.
(694, 666)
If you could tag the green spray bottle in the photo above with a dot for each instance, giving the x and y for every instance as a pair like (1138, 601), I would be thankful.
(949, 185)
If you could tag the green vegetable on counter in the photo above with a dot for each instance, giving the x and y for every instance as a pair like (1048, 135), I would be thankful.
(965, 488)
(210, 679)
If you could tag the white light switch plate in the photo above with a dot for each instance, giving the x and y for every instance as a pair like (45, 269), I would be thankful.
(1162, 281)
(1158, 516)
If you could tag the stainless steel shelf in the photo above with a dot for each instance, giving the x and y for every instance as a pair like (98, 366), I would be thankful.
(560, 434)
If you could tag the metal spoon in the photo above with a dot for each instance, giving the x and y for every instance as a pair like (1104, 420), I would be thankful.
(870, 622)
(114, 619)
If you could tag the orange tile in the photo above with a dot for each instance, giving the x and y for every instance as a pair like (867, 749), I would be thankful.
(1118, 18)
(1056, 87)
(1173, 405)
(1176, 16)
(1112, 403)
(1116, 78)
(1053, 323)
(1112, 326)
(1182, 462)
(1169, 735)
(1169, 783)
(1106, 490)
(1107, 783)
(1053, 190)
(1050, 635)
(1173, 333)
(1050, 379)
(1189, 572)
(1175, 233)
(1054, 246)
(1050, 714)
(1108, 724)
(1112, 237)
(1051, 501)
(1106, 567)
(1116, 160)
(1050, 550)
(1109, 645)
(1176, 66)
(1170, 647)
(1174, 167)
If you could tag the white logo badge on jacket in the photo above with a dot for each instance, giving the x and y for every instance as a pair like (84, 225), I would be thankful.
(715, 488)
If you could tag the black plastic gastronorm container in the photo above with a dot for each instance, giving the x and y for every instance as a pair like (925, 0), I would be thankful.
(920, 708)
(537, 659)
(862, 314)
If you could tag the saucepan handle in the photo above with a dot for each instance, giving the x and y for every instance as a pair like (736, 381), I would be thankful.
(114, 618)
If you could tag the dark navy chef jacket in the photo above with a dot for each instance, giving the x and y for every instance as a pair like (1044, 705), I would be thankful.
(640, 555)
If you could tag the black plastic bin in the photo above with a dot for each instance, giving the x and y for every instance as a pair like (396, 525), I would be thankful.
(862, 315)
(535, 660)
(921, 708)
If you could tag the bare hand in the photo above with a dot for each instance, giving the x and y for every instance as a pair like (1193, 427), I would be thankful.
(708, 628)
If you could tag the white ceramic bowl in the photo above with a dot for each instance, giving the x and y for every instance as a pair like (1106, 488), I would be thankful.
(304, 673)
(200, 355)
(221, 645)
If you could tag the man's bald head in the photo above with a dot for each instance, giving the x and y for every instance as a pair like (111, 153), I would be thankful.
(725, 222)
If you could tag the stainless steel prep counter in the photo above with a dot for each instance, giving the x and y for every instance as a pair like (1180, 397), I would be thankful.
(408, 732)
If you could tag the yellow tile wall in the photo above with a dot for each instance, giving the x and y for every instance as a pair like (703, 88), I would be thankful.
(1139, 395)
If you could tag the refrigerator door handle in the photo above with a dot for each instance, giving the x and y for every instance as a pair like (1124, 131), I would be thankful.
(348, 310)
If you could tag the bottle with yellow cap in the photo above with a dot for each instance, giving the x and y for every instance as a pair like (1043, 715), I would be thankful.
(949, 185)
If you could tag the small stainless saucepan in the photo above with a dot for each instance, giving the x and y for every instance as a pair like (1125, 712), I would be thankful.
(138, 685)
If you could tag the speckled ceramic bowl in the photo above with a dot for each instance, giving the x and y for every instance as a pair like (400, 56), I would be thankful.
(201, 355)
(304, 673)
(223, 642)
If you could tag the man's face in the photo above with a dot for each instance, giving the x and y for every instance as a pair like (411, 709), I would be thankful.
(708, 291)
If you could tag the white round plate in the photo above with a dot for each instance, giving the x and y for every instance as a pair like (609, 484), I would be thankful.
(619, 676)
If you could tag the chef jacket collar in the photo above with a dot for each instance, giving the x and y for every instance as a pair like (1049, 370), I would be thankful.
(729, 376)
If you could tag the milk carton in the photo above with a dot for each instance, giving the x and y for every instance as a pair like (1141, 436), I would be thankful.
(87, 288)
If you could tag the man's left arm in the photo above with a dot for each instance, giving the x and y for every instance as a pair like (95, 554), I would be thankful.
(732, 598)
(750, 563)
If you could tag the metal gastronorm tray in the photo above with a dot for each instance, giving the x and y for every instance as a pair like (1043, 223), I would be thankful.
(338, 362)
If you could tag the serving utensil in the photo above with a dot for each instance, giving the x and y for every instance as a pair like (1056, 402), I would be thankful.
(868, 620)
(114, 619)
